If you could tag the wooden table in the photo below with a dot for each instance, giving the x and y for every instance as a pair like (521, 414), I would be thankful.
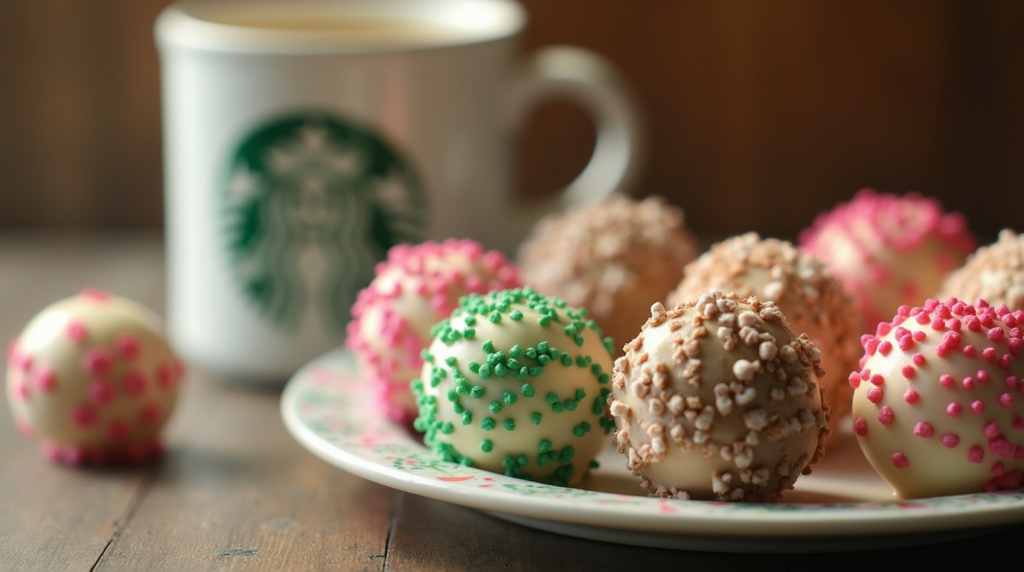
(235, 491)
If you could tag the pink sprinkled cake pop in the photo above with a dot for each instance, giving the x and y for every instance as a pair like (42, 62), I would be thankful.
(888, 250)
(937, 404)
(415, 288)
(94, 379)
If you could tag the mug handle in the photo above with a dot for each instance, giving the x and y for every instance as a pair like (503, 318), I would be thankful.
(583, 77)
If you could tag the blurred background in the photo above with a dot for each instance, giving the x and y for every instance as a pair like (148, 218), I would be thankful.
(761, 114)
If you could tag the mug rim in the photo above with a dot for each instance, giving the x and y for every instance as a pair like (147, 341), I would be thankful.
(207, 26)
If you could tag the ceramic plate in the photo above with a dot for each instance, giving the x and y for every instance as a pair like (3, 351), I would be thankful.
(843, 505)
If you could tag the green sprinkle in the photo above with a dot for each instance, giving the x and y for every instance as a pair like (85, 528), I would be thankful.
(494, 318)
(536, 370)
(470, 321)
(515, 315)
(552, 398)
(458, 408)
(535, 418)
(485, 371)
(544, 446)
(542, 347)
(567, 454)
(474, 367)
(523, 373)
(451, 361)
(566, 360)
(603, 378)
(522, 461)
(469, 333)
(508, 462)
(544, 359)
(508, 397)
(579, 340)
(510, 424)
(477, 392)
(495, 407)
(467, 418)
(462, 387)
(486, 446)
(530, 353)
(580, 394)
(488, 347)
(578, 431)
(570, 404)
(452, 395)
(448, 428)
(556, 407)
(583, 361)
(500, 370)
(593, 464)
(487, 424)
(527, 390)
(515, 352)
(544, 321)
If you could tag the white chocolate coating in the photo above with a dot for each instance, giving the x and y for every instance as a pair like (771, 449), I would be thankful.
(994, 273)
(615, 258)
(719, 400)
(937, 404)
(889, 250)
(416, 287)
(800, 284)
(93, 377)
(516, 383)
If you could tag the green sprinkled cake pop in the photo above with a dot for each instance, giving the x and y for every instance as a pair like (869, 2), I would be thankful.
(524, 395)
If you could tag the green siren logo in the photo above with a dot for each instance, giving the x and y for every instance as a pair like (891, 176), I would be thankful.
(312, 203)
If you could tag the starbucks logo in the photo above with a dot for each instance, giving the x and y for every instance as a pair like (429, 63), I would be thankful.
(311, 204)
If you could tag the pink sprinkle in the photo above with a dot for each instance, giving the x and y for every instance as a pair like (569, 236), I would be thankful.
(920, 336)
(885, 347)
(973, 323)
(165, 376)
(150, 413)
(911, 396)
(128, 346)
(982, 376)
(996, 335)
(924, 429)
(134, 383)
(95, 295)
(76, 332)
(950, 440)
(1015, 345)
(968, 382)
(903, 310)
(952, 339)
(976, 454)
(871, 345)
(918, 360)
(883, 328)
(990, 430)
(998, 469)
(930, 304)
(977, 406)
(83, 416)
(874, 395)
(989, 355)
(1000, 446)
(953, 324)
(885, 415)
(21, 390)
(877, 380)
(1018, 423)
(1005, 361)
(922, 319)
(97, 361)
(22, 361)
(953, 409)
(908, 371)
(1006, 400)
(906, 342)
(860, 426)
(101, 392)
(46, 379)
(946, 380)
(854, 380)
(1010, 381)
(969, 351)
(938, 324)
(865, 375)
(899, 460)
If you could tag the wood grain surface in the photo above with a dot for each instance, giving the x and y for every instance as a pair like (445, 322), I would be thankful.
(235, 492)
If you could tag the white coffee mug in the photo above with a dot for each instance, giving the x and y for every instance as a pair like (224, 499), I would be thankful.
(302, 139)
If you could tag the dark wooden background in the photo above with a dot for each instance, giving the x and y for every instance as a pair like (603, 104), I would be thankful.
(761, 113)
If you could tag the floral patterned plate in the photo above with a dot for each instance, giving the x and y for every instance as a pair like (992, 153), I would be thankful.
(843, 505)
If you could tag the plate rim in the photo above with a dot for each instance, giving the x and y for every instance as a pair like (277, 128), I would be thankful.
(709, 518)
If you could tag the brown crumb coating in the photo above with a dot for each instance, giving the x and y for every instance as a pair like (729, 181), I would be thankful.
(994, 273)
(615, 258)
(800, 283)
(717, 399)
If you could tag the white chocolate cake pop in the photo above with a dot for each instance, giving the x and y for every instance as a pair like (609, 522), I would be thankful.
(93, 378)
(994, 273)
(517, 383)
(937, 404)
(813, 302)
(888, 250)
(717, 399)
(614, 258)
(416, 287)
